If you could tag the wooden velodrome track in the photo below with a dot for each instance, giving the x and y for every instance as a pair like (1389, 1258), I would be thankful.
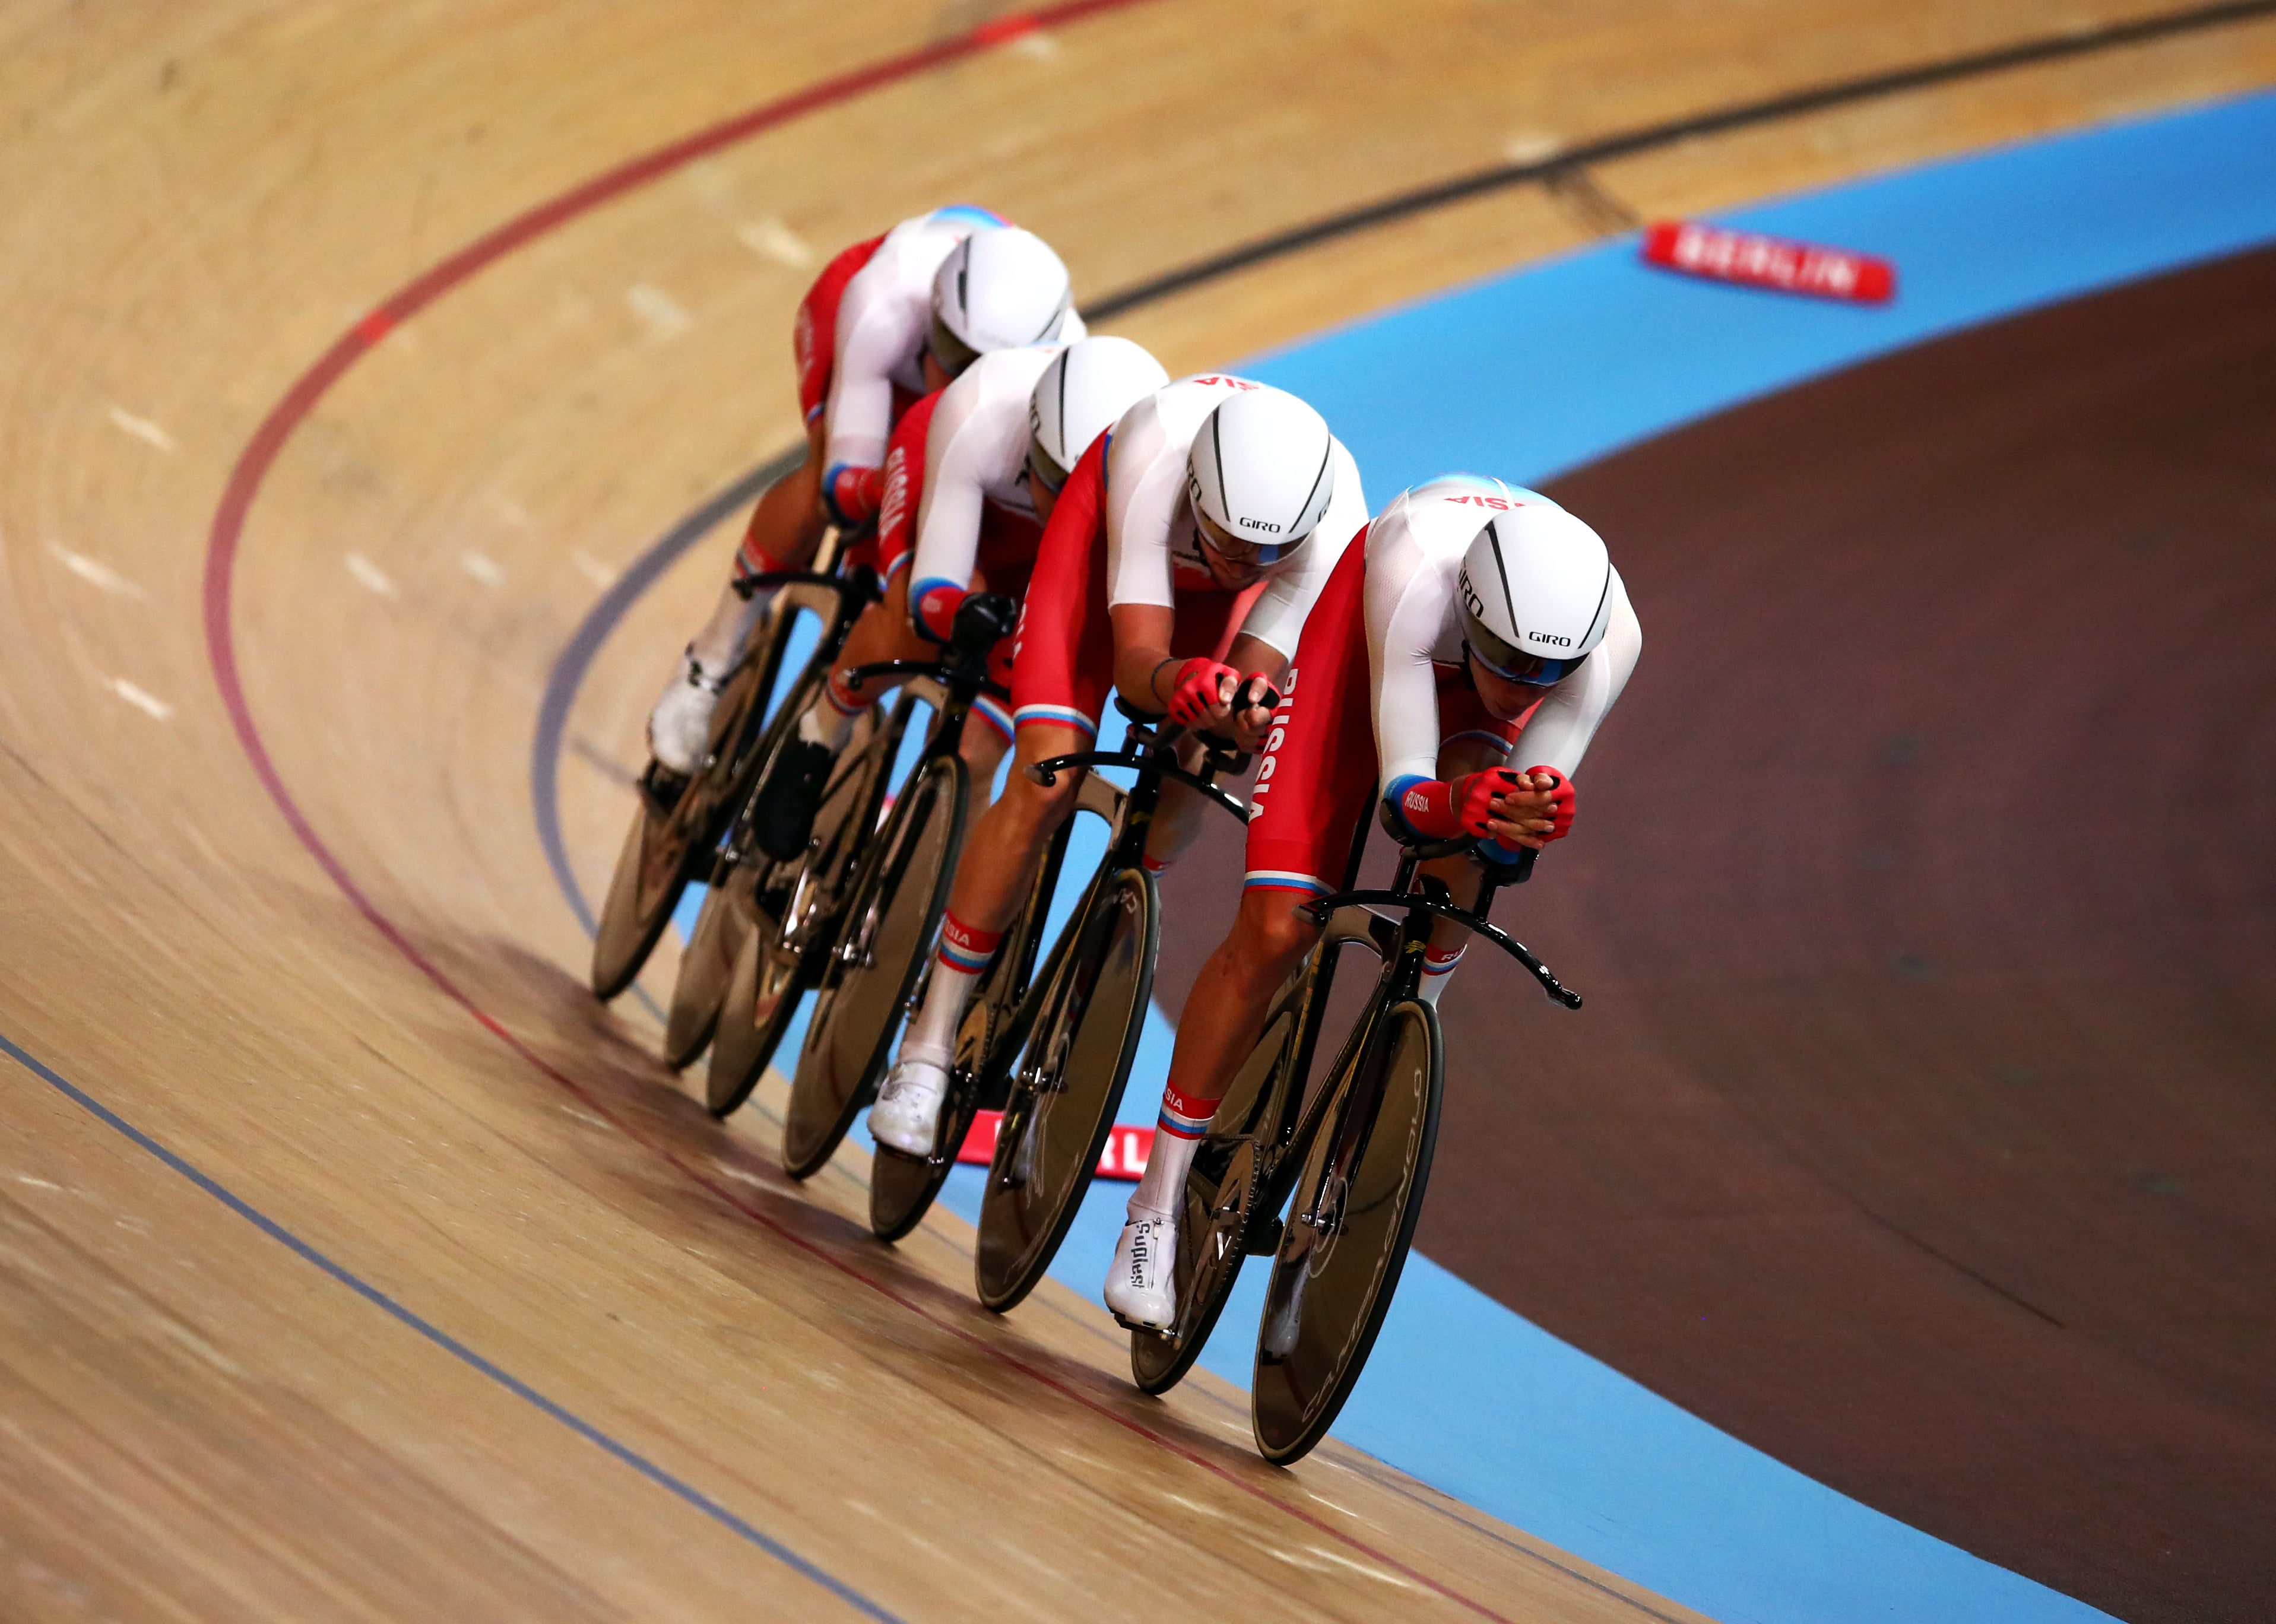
(355, 1264)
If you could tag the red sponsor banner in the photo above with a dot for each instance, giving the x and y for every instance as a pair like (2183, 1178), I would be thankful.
(1774, 262)
(1123, 1158)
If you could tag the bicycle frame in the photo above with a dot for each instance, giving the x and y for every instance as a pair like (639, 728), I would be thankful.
(1400, 942)
(1148, 750)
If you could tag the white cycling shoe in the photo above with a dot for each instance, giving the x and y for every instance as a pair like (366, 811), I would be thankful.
(907, 1112)
(680, 728)
(1141, 1288)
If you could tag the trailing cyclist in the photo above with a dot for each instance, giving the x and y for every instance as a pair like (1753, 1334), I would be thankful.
(888, 321)
(968, 484)
(1476, 622)
(1181, 559)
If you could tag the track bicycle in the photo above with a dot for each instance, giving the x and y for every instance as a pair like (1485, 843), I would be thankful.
(1349, 1169)
(1062, 1046)
(678, 822)
(875, 933)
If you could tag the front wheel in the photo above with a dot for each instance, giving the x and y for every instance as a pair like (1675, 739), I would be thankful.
(890, 918)
(1065, 1093)
(1347, 1234)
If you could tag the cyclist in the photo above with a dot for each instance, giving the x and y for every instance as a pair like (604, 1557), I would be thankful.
(887, 322)
(1181, 560)
(968, 484)
(1476, 621)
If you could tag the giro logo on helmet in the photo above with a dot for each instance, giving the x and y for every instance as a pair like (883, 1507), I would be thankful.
(1470, 596)
(1248, 523)
(1547, 637)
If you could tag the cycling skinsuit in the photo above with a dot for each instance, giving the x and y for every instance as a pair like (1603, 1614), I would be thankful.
(1381, 682)
(1124, 531)
(956, 499)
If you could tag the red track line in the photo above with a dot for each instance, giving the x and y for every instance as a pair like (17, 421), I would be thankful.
(260, 455)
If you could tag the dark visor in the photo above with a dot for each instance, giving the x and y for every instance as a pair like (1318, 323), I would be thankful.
(954, 354)
(1041, 470)
(1508, 661)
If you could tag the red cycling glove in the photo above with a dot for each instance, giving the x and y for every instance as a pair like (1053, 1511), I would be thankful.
(852, 494)
(1560, 804)
(1200, 686)
(1441, 810)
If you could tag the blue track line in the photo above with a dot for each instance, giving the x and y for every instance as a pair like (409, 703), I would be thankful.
(450, 1343)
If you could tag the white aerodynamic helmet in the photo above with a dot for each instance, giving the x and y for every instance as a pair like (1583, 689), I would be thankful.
(1086, 388)
(998, 289)
(1536, 592)
(1261, 472)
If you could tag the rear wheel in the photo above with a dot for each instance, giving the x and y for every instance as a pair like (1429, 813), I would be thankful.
(890, 919)
(1064, 1096)
(1347, 1234)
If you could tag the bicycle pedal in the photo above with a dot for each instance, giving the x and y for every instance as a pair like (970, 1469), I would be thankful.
(661, 788)
(1136, 1329)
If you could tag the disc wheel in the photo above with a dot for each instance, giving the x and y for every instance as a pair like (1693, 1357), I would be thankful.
(1347, 1234)
(1219, 1215)
(1063, 1096)
(793, 918)
(890, 916)
(663, 848)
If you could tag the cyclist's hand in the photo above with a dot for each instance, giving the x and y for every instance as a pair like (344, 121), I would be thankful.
(1203, 697)
(1537, 810)
(1252, 719)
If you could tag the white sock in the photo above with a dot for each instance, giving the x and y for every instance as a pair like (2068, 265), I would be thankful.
(1438, 970)
(957, 966)
(1162, 1188)
(721, 641)
(827, 720)
(1177, 1132)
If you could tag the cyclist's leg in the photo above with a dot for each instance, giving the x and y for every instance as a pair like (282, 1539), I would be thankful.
(679, 726)
(1313, 785)
(1059, 682)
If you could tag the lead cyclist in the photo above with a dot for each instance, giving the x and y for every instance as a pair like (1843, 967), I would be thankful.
(1473, 623)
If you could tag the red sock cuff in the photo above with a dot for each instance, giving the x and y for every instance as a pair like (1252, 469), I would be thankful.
(963, 948)
(1188, 1107)
(844, 704)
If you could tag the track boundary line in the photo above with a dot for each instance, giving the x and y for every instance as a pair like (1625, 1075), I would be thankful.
(552, 1409)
